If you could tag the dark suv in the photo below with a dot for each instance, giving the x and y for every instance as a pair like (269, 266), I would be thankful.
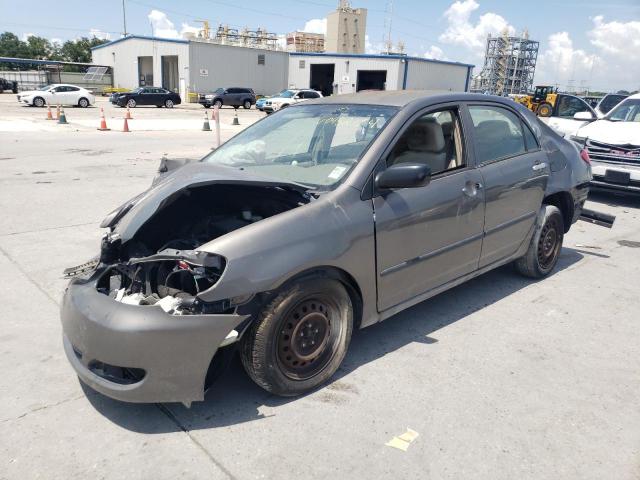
(234, 97)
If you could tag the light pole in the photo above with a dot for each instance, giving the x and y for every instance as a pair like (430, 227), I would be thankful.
(124, 19)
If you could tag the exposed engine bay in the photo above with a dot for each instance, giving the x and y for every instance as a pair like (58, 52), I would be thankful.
(161, 265)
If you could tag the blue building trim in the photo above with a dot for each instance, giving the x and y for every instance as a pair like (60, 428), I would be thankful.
(379, 57)
(140, 37)
(466, 84)
(406, 73)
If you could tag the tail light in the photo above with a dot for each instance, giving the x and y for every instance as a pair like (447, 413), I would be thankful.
(584, 155)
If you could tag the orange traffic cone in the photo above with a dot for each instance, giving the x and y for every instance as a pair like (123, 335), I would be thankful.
(58, 112)
(49, 116)
(103, 122)
(128, 116)
(125, 127)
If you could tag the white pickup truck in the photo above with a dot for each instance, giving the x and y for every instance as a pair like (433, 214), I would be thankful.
(613, 143)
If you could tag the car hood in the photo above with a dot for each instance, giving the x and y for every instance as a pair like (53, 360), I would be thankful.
(127, 219)
(615, 133)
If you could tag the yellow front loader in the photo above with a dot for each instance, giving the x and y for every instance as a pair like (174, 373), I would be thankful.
(542, 102)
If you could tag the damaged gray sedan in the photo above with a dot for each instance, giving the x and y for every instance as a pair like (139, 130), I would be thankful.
(323, 218)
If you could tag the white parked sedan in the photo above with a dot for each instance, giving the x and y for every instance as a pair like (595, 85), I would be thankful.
(58, 94)
(289, 97)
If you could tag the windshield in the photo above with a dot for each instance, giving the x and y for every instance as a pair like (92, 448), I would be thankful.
(218, 91)
(286, 94)
(627, 111)
(137, 90)
(314, 145)
(47, 87)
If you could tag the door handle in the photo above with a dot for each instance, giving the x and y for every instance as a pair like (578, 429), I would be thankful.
(539, 166)
(471, 189)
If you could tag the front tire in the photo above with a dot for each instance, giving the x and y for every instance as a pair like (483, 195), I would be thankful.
(131, 103)
(545, 110)
(300, 338)
(546, 244)
(38, 102)
(247, 104)
(83, 103)
(217, 104)
(168, 103)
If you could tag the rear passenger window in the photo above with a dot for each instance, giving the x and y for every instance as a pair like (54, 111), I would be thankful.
(529, 138)
(498, 133)
(434, 139)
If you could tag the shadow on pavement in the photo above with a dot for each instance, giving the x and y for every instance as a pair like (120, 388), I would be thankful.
(235, 399)
(615, 199)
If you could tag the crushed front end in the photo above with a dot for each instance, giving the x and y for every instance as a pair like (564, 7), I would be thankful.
(135, 327)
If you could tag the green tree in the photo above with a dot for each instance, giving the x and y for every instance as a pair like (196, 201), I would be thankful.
(39, 48)
(79, 50)
(12, 46)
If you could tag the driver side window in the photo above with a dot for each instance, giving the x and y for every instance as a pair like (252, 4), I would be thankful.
(569, 106)
(434, 139)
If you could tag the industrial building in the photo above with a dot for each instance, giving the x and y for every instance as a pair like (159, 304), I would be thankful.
(185, 66)
(201, 66)
(346, 29)
(509, 65)
(348, 73)
(305, 42)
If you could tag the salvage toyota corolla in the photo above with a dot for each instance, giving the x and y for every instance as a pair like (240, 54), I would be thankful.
(325, 217)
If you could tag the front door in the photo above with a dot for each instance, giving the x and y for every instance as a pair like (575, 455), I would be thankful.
(428, 236)
(514, 172)
(566, 107)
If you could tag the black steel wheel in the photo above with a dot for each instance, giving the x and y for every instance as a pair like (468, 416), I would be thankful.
(300, 338)
(544, 250)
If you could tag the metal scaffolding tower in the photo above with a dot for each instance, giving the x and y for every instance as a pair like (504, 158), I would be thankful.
(509, 65)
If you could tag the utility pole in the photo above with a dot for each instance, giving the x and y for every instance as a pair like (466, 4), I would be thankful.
(124, 19)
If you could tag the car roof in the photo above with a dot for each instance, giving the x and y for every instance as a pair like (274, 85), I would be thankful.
(401, 98)
(635, 96)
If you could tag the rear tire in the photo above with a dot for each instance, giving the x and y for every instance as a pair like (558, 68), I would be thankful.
(546, 244)
(300, 338)
(247, 104)
(545, 110)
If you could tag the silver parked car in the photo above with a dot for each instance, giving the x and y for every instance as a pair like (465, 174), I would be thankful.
(326, 217)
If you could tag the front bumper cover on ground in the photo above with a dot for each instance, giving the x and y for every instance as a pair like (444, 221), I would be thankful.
(173, 352)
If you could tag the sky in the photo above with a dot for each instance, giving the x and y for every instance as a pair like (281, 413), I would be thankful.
(583, 43)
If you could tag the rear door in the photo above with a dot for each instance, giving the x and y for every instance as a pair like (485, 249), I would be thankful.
(71, 95)
(233, 97)
(514, 174)
(428, 236)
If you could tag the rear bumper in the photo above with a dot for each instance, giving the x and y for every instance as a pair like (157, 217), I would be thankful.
(168, 355)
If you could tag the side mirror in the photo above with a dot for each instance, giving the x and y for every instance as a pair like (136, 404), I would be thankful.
(585, 116)
(404, 175)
